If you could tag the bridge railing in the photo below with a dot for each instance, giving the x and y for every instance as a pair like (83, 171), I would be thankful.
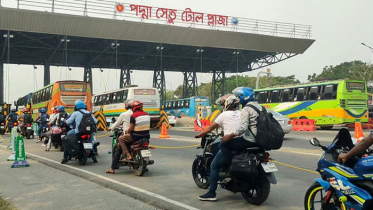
(156, 15)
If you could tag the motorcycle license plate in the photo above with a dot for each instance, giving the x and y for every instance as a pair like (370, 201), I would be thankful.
(269, 167)
(28, 128)
(145, 153)
(1, 126)
(87, 145)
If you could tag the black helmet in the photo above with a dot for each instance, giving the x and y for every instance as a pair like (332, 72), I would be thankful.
(13, 110)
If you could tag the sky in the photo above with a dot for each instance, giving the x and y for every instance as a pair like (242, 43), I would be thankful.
(338, 26)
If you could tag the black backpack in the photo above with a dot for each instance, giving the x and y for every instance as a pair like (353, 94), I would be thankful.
(27, 118)
(87, 125)
(61, 115)
(13, 117)
(270, 134)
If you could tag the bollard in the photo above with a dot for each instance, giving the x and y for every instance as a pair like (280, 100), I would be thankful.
(20, 159)
(35, 127)
(11, 146)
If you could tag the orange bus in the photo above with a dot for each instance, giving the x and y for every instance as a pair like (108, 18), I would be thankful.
(64, 93)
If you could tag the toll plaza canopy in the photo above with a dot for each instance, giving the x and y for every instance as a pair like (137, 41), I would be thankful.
(108, 34)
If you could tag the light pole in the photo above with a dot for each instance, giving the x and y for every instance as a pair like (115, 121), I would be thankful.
(371, 49)
(236, 53)
(268, 73)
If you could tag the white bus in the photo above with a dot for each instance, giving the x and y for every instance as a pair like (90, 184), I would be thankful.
(111, 103)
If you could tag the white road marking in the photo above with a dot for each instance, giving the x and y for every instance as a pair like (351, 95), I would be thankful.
(118, 183)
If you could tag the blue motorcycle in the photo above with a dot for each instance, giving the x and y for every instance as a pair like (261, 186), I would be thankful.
(342, 186)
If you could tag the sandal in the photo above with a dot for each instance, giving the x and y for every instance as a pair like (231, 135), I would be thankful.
(110, 171)
(47, 150)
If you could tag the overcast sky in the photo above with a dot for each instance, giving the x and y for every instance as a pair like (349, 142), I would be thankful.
(338, 26)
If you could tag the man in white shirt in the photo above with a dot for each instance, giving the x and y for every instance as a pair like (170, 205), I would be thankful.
(230, 121)
(124, 120)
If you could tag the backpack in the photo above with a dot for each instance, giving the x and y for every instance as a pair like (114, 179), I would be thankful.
(87, 125)
(44, 118)
(13, 117)
(61, 115)
(270, 134)
(27, 118)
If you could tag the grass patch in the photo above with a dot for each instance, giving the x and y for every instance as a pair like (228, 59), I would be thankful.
(5, 205)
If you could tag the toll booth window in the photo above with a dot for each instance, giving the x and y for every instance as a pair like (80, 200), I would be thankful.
(285, 95)
(314, 93)
(274, 97)
(328, 93)
(300, 94)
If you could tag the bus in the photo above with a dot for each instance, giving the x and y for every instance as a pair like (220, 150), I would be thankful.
(23, 102)
(64, 93)
(111, 103)
(187, 107)
(330, 103)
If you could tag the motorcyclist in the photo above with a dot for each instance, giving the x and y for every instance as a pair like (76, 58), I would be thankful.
(12, 118)
(124, 120)
(138, 129)
(58, 122)
(75, 119)
(229, 120)
(358, 148)
(43, 118)
(242, 138)
(54, 113)
(2, 117)
(24, 119)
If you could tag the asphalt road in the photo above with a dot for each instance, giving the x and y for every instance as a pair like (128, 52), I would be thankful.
(169, 183)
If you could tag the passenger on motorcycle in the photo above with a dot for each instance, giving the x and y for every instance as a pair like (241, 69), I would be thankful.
(54, 113)
(138, 129)
(124, 120)
(58, 122)
(229, 120)
(12, 118)
(44, 119)
(242, 138)
(24, 119)
(358, 148)
(75, 119)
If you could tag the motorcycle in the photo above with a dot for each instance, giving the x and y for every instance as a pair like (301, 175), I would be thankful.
(255, 188)
(139, 151)
(26, 131)
(80, 147)
(343, 185)
(2, 128)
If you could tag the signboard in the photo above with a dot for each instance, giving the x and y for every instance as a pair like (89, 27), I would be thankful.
(144, 92)
(73, 87)
(355, 86)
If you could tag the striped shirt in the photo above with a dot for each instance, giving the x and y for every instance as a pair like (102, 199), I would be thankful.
(141, 120)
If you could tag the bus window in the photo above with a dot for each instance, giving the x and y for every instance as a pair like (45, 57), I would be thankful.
(314, 93)
(300, 94)
(124, 95)
(274, 96)
(187, 103)
(285, 95)
(328, 92)
(262, 97)
(335, 89)
(174, 104)
(114, 99)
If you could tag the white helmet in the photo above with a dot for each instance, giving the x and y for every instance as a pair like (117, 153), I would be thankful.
(231, 102)
(221, 100)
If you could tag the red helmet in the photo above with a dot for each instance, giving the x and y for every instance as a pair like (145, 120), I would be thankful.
(25, 110)
(136, 104)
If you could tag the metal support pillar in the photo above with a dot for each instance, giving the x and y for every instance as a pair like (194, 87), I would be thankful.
(47, 73)
(218, 84)
(189, 86)
(125, 78)
(159, 83)
(1, 82)
(88, 76)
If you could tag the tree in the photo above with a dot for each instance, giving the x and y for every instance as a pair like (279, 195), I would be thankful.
(170, 95)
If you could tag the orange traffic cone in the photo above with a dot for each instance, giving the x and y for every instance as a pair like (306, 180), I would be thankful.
(359, 135)
(164, 132)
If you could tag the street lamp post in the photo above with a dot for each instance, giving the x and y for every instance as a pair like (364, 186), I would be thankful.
(371, 49)
(268, 73)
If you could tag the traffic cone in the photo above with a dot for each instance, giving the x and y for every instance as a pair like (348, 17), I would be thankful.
(20, 159)
(359, 135)
(164, 132)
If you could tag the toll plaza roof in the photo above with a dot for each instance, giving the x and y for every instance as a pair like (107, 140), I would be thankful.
(38, 37)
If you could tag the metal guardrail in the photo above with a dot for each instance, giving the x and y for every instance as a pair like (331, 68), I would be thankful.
(184, 18)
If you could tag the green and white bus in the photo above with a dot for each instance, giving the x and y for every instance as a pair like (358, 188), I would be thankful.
(329, 103)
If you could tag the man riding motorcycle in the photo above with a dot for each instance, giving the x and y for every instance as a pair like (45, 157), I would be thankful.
(57, 124)
(138, 129)
(75, 119)
(229, 120)
(24, 119)
(242, 138)
(358, 148)
(12, 118)
(43, 118)
(2, 118)
(124, 120)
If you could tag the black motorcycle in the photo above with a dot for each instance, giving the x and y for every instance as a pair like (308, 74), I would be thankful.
(80, 147)
(255, 188)
(57, 138)
(27, 131)
(2, 128)
(139, 151)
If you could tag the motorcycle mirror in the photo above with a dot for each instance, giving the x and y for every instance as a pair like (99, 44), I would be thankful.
(199, 123)
(315, 142)
(354, 140)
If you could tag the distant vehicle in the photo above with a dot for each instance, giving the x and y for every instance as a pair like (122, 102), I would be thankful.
(284, 121)
(64, 93)
(172, 119)
(187, 107)
(329, 103)
(111, 103)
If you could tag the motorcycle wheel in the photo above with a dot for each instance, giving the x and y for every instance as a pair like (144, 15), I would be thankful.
(141, 169)
(28, 135)
(83, 159)
(313, 193)
(200, 177)
(259, 192)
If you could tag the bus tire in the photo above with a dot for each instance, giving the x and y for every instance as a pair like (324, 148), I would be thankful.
(303, 118)
(326, 127)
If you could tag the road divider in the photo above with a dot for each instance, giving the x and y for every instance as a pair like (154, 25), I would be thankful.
(20, 156)
(101, 124)
(12, 146)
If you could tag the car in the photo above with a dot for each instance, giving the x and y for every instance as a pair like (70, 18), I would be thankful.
(284, 121)
(172, 119)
